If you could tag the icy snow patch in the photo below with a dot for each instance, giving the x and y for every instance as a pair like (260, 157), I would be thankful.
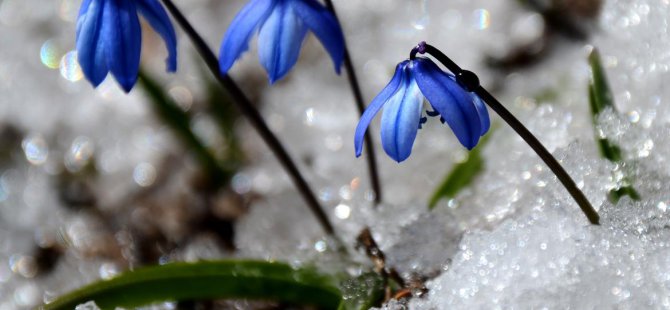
(550, 257)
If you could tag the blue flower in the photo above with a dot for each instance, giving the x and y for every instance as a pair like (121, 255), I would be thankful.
(403, 105)
(283, 26)
(109, 38)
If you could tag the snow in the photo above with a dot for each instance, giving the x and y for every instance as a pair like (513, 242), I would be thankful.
(513, 239)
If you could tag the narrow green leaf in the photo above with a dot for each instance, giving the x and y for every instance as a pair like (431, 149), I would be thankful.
(363, 292)
(223, 111)
(616, 194)
(608, 150)
(461, 175)
(179, 122)
(602, 94)
(207, 280)
(600, 99)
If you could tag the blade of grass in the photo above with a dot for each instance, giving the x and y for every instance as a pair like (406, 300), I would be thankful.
(179, 122)
(607, 149)
(224, 113)
(461, 175)
(602, 94)
(363, 292)
(208, 280)
(601, 99)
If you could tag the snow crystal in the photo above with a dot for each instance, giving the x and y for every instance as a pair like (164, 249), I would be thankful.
(513, 239)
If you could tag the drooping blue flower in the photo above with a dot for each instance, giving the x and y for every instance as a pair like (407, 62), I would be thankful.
(109, 38)
(403, 99)
(282, 26)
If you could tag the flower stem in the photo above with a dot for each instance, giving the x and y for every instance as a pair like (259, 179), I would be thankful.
(470, 82)
(360, 105)
(254, 117)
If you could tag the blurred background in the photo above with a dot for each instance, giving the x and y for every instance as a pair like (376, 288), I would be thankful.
(94, 182)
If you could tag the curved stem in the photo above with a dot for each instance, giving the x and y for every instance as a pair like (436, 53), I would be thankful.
(254, 117)
(541, 151)
(360, 105)
(471, 83)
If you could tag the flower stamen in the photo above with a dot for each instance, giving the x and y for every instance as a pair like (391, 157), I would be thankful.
(422, 121)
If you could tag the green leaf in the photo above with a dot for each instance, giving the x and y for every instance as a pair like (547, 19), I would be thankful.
(180, 123)
(616, 194)
(461, 175)
(222, 109)
(608, 150)
(602, 94)
(363, 292)
(600, 99)
(208, 280)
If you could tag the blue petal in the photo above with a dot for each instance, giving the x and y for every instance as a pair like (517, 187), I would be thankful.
(236, 40)
(485, 122)
(325, 26)
(450, 99)
(374, 107)
(401, 117)
(122, 38)
(90, 49)
(83, 9)
(279, 41)
(154, 13)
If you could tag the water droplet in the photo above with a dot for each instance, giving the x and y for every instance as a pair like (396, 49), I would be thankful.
(69, 67)
(320, 246)
(633, 116)
(79, 154)
(27, 295)
(50, 54)
(144, 174)
(23, 265)
(241, 184)
(35, 149)
(482, 19)
(647, 146)
(342, 211)
(309, 117)
(108, 270)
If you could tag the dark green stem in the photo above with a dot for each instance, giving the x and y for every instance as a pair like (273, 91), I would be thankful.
(360, 105)
(254, 117)
(470, 82)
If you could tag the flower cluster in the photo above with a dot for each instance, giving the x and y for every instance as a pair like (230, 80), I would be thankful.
(403, 102)
(109, 37)
(109, 40)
